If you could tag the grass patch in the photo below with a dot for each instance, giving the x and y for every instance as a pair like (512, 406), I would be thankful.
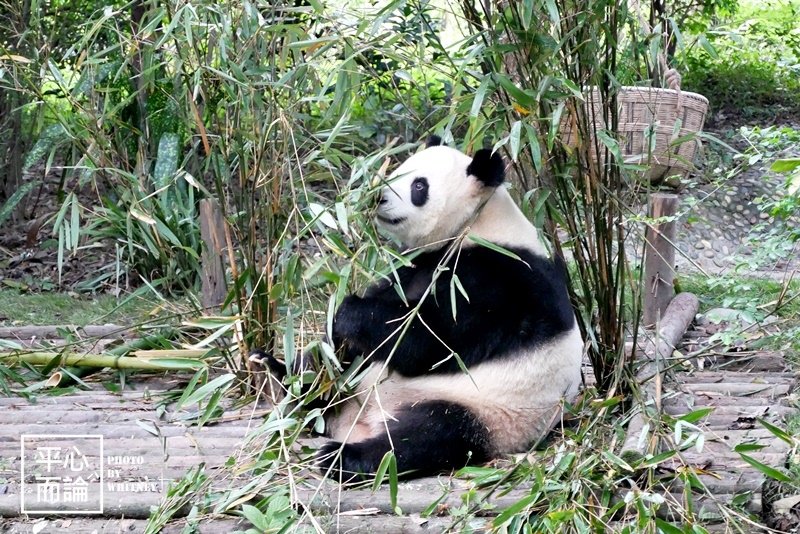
(65, 308)
(759, 296)
(749, 65)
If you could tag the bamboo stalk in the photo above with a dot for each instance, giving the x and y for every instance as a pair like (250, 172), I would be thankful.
(102, 360)
(171, 353)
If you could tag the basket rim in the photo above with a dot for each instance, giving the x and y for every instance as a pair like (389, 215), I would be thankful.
(632, 89)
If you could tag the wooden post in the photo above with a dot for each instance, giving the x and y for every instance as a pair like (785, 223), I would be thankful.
(212, 230)
(659, 258)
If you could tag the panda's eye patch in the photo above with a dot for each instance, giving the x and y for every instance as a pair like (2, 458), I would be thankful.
(419, 191)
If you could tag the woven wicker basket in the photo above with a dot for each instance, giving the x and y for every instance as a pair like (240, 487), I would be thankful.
(648, 126)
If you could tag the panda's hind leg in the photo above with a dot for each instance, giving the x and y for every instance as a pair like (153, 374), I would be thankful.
(427, 437)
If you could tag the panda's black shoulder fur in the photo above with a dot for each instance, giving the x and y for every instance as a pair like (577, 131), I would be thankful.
(511, 303)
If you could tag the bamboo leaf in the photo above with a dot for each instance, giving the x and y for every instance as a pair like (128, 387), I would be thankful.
(211, 407)
(167, 160)
(552, 10)
(201, 373)
(708, 47)
(323, 215)
(480, 94)
(748, 447)
(75, 224)
(288, 341)
(515, 509)
(523, 98)
(533, 146)
(516, 130)
(696, 415)
(256, 517)
(207, 389)
(785, 165)
(555, 125)
(667, 528)
(497, 248)
(526, 14)
(777, 432)
(380, 473)
(767, 470)
(457, 282)
(657, 459)
(50, 137)
(175, 363)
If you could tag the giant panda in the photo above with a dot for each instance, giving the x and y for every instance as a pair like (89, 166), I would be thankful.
(447, 387)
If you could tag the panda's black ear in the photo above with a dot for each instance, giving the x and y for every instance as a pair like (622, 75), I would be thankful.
(487, 167)
(433, 140)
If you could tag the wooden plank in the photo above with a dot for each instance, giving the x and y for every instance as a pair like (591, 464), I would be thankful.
(769, 411)
(738, 377)
(718, 399)
(56, 331)
(80, 415)
(738, 390)
(79, 525)
(706, 506)
(748, 361)
(392, 524)
(125, 431)
(723, 460)
(720, 481)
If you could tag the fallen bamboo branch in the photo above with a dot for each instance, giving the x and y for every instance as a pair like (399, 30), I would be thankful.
(167, 362)
(679, 315)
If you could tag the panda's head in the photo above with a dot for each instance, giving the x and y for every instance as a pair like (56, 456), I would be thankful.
(435, 192)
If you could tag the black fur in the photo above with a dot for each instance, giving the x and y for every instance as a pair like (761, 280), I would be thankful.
(428, 437)
(419, 191)
(433, 140)
(512, 304)
(265, 359)
(487, 167)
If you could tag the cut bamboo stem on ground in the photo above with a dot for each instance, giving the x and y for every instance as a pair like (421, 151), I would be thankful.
(173, 362)
(677, 318)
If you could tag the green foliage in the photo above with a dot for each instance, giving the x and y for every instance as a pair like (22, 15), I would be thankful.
(750, 62)
(772, 144)
(696, 15)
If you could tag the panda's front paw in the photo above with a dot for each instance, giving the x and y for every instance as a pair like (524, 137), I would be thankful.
(348, 320)
(268, 362)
